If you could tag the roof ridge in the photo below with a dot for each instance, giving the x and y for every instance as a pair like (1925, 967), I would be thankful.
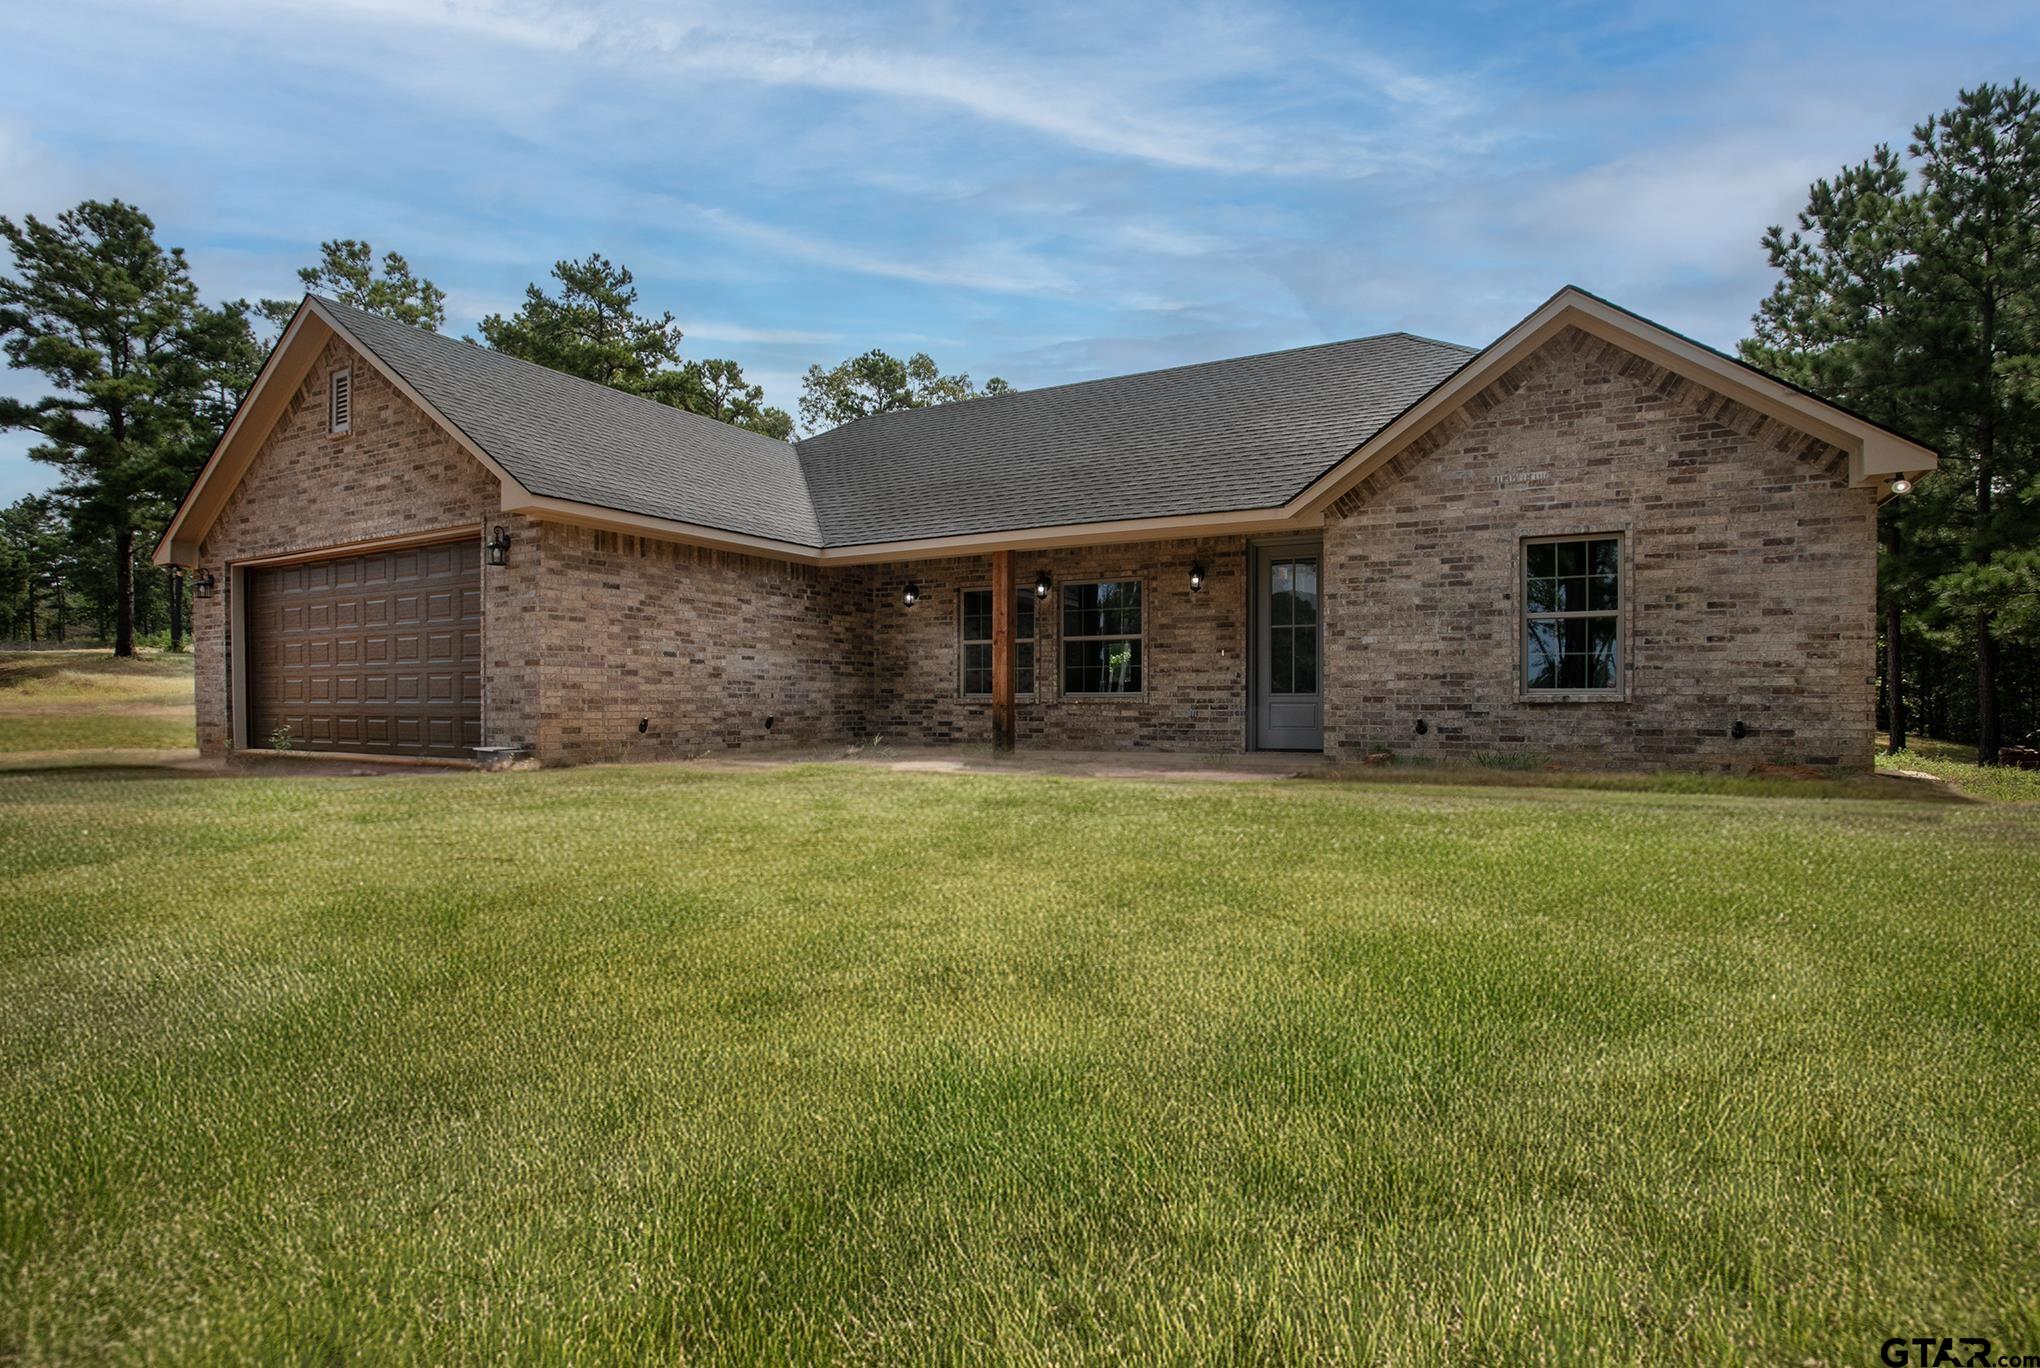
(1153, 370)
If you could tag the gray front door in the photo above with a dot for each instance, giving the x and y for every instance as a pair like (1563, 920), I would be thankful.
(1289, 703)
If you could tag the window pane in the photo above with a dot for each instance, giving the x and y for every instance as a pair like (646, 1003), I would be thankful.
(1108, 609)
(1023, 667)
(1572, 558)
(1091, 667)
(977, 615)
(1572, 672)
(1601, 653)
(1023, 615)
(1306, 596)
(977, 669)
(1280, 659)
(1540, 667)
(1572, 594)
(1542, 595)
(1543, 560)
(1601, 593)
(1306, 661)
(1604, 557)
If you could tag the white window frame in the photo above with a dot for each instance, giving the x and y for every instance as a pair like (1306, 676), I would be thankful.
(1063, 640)
(1619, 614)
(336, 427)
(963, 640)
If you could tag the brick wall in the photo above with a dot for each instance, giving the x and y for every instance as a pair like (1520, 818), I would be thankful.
(396, 473)
(1194, 655)
(1750, 577)
(712, 651)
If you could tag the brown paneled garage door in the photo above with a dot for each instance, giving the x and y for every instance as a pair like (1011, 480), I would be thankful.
(380, 653)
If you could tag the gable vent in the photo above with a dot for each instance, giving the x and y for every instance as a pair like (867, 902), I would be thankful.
(340, 402)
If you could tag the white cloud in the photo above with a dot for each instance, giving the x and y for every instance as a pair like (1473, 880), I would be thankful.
(714, 331)
(1148, 101)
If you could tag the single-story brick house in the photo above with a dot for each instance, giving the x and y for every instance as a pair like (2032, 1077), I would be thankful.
(1592, 540)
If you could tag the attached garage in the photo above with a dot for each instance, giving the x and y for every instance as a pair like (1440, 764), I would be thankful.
(378, 653)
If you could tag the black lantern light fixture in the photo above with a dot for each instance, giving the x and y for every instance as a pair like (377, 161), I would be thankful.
(1196, 577)
(1041, 585)
(498, 547)
(202, 584)
(910, 595)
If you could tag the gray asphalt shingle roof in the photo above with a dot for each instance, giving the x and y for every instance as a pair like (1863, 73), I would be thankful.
(567, 438)
(1221, 436)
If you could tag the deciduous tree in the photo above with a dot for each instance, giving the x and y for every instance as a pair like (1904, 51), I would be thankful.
(879, 382)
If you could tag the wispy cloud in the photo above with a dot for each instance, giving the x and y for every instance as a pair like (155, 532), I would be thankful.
(736, 332)
(1046, 192)
(1154, 108)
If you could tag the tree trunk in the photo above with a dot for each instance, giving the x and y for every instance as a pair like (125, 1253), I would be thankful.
(1987, 740)
(176, 611)
(124, 591)
(1986, 457)
(1894, 685)
(31, 608)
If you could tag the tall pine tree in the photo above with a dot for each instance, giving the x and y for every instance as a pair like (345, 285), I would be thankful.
(113, 322)
(592, 328)
(1914, 298)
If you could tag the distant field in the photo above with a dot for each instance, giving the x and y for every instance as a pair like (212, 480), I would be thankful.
(655, 1063)
(89, 700)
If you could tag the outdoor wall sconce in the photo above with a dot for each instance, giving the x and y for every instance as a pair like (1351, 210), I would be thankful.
(1196, 577)
(202, 585)
(911, 595)
(1901, 486)
(1041, 585)
(498, 547)
(1740, 729)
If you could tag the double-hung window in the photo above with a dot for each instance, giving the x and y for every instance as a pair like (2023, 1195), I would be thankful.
(976, 663)
(1102, 638)
(1572, 615)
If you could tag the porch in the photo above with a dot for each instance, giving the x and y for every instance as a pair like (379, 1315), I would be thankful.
(1208, 647)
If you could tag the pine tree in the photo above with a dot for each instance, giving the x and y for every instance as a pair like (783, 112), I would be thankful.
(593, 329)
(347, 272)
(113, 322)
(1916, 301)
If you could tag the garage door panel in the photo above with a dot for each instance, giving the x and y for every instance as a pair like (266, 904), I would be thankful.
(331, 658)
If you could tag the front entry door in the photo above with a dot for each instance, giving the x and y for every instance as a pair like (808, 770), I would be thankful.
(1288, 642)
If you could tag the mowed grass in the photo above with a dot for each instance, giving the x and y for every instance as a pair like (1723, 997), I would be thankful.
(834, 1063)
(89, 700)
(1957, 765)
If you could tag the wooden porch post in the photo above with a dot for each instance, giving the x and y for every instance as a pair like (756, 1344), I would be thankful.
(1002, 651)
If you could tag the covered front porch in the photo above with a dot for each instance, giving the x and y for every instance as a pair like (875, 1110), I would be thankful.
(1210, 646)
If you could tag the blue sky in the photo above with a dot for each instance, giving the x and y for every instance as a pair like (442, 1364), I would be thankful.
(1045, 192)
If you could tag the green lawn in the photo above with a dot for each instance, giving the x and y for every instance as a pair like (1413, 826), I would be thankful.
(837, 1063)
(88, 700)
(1957, 764)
